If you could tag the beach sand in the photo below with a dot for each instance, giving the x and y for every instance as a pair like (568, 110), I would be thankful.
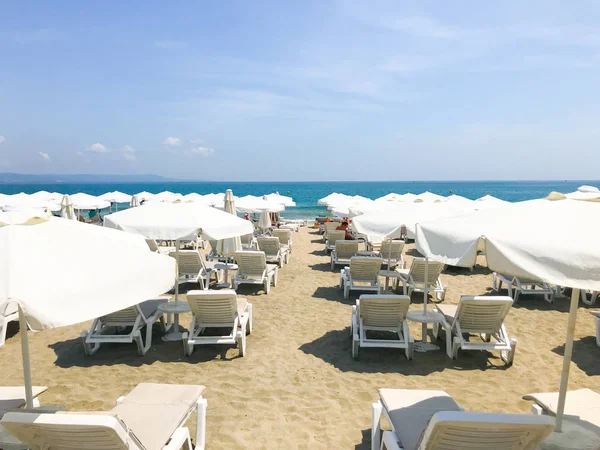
(298, 386)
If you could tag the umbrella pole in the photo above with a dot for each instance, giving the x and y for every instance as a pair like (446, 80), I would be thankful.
(389, 254)
(425, 297)
(564, 379)
(26, 362)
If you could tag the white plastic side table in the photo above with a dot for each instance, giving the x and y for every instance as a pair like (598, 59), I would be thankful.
(174, 308)
(425, 318)
(226, 267)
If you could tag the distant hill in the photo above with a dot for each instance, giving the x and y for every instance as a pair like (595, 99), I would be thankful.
(26, 178)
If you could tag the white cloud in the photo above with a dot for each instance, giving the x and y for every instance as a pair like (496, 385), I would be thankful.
(98, 148)
(170, 44)
(172, 141)
(44, 156)
(2, 139)
(128, 149)
(202, 151)
(79, 153)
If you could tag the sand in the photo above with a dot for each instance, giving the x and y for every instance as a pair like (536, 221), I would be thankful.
(298, 386)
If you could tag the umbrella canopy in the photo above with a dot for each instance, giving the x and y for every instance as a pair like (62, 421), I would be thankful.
(66, 208)
(47, 196)
(24, 217)
(458, 199)
(193, 197)
(86, 201)
(144, 195)
(135, 201)
(391, 197)
(171, 221)
(275, 197)
(167, 196)
(24, 201)
(121, 273)
(264, 221)
(116, 197)
(524, 243)
(252, 204)
(429, 197)
(229, 246)
(214, 199)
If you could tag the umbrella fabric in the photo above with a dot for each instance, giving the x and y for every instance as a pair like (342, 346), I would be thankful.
(86, 201)
(264, 221)
(171, 221)
(231, 245)
(24, 217)
(145, 195)
(135, 201)
(66, 208)
(251, 204)
(24, 201)
(116, 197)
(281, 199)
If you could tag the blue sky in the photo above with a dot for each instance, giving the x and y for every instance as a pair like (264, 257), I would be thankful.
(311, 90)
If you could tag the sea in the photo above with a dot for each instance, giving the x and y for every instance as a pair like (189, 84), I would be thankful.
(306, 194)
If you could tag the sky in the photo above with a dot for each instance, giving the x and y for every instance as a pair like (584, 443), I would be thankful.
(304, 91)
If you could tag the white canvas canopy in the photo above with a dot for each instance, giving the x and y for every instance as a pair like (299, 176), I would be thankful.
(47, 196)
(490, 199)
(171, 221)
(121, 273)
(264, 220)
(458, 199)
(252, 204)
(553, 241)
(86, 201)
(22, 201)
(334, 196)
(193, 197)
(429, 197)
(145, 196)
(167, 196)
(116, 197)
(276, 197)
(24, 217)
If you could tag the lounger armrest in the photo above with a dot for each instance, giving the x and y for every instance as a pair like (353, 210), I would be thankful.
(389, 441)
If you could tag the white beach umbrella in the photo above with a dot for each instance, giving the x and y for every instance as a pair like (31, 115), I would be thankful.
(145, 196)
(47, 196)
(172, 221)
(24, 201)
(523, 243)
(66, 208)
(491, 199)
(429, 197)
(135, 201)
(458, 199)
(214, 199)
(116, 197)
(82, 200)
(24, 217)
(123, 273)
(193, 197)
(264, 220)
(251, 204)
(276, 197)
(391, 197)
(228, 247)
(331, 198)
(167, 196)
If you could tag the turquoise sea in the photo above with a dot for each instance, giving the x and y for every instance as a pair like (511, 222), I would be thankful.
(306, 194)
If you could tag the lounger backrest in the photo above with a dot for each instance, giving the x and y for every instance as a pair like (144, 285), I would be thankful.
(365, 268)
(188, 261)
(346, 249)
(152, 244)
(247, 239)
(284, 236)
(477, 314)
(214, 307)
(70, 431)
(127, 315)
(269, 245)
(335, 235)
(417, 271)
(384, 310)
(391, 250)
(468, 430)
(329, 226)
(251, 263)
(8, 307)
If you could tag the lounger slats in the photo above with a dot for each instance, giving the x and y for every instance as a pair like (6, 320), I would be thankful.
(482, 317)
(271, 247)
(252, 264)
(284, 236)
(124, 315)
(365, 269)
(247, 239)
(213, 308)
(392, 250)
(345, 249)
(417, 270)
(383, 312)
(188, 262)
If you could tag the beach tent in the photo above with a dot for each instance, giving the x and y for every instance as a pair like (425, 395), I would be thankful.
(229, 246)
(281, 199)
(86, 201)
(538, 239)
(122, 271)
(171, 221)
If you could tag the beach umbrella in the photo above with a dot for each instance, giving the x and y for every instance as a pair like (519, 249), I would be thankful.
(116, 197)
(86, 201)
(47, 196)
(135, 201)
(251, 204)
(123, 271)
(491, 200)
(275, 197)
(332, 198)
(391, 197)
(167, 196)
(523, 243)
(24, 217)
(145, 196)
(458, 199)
(193, 197)
(429, 197)
(264, 220)
(22, 201)
(229, 246)
(66, 208)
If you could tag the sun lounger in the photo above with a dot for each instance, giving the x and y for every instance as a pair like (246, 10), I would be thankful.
(13, 397)
(153, 245)
(432, 420)
(362, 275)
(253, 269)
(274, 251)
(327, 227)
(342, 253)
(248, 241)
(332, 237)
(381, 313)
(218, 309)
(522, 286)
(413, 279)
(581, 403)
(591, 301)
(137, 317)
(284, 236)
(477, 315)
(9, 312)
(392, 252)
(150, 417)
(193, 268)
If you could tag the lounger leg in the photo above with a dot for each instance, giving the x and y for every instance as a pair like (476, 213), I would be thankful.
(249, 319)
(137, 338)
(598, 331)
(201, 406)
(267, 283)
(3, 326)
(180, 439)
(390, 441)
(509, 355)
(376, 409)
(87, 348)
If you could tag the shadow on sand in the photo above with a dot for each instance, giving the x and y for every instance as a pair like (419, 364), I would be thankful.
(585, 355)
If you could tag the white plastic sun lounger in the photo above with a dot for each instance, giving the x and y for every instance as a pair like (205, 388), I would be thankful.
(479, 315)
(218, 309)
(137, 317)
(13, 397)
(362, 275)
(591, 301)
(392, 252)
(253, 269)
(248, 241)
(581, 403)
(521, 286)
(327, 227)
(413, 279)
(333, 237)
(285, 237)
(153, 245)
(432, 420)
(193, 268)
(150, 417)
(381, 313)
(9, 312)
(274, 251)
(342, 253)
